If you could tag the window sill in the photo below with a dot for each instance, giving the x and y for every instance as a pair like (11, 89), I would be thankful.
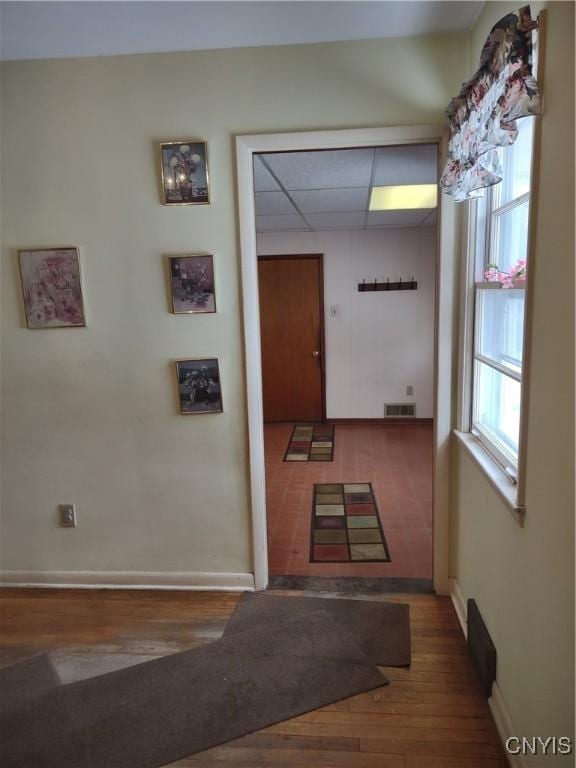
(493, 473)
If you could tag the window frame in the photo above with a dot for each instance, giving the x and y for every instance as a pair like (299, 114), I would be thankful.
(512, 495)
(492, 213)
(510, 487)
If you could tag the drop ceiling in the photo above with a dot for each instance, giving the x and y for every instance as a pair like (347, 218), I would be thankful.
(330, 190)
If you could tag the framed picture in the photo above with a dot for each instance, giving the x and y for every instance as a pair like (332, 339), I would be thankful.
(184, 172)
(51, 287)
(192, 283)
(199, 388)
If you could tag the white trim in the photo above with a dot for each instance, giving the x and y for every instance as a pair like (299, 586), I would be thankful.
(466, 333)
(498, 367)
(493, 472)
(445, 334)
(504, 725)
(246, 147)
(229, 582)
(459, 606)
(496, 702)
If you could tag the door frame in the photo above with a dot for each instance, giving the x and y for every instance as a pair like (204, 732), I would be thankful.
(446, 254)
(319, 257)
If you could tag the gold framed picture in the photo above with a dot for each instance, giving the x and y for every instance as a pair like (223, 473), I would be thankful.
(51, 287)
(199, 389)
(192, 283)
(184, 168)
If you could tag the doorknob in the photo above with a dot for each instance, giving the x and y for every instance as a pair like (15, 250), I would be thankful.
(315, 353)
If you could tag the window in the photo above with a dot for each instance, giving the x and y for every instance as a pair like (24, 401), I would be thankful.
(500, 220)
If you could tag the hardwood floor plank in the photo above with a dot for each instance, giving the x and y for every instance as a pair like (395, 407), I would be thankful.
(386, 719)
(233, 755)
(431, 715)
(432, 748)
(431, 761)
(415, 733)
(277, 741)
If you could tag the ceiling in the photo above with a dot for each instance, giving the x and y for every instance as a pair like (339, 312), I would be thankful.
(330, 189)
(36, 30)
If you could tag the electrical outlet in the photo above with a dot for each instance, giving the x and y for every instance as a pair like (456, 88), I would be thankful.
(410, 390)
(67, 515)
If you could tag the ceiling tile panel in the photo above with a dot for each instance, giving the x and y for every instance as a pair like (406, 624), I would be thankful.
(279, 223)
(415, 164)
(273, 202)
(430, 220)
(322, 221)
(263, 181)
(328, 169)
(381, 219)
(327, 200)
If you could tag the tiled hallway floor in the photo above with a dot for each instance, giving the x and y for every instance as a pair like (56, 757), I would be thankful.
(395, 458)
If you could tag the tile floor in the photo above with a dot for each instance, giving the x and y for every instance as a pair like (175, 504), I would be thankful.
(395, 458)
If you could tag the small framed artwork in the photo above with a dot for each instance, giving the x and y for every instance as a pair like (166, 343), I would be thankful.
(192, 284)
(199, 388)
(52, 288)
(184, 167)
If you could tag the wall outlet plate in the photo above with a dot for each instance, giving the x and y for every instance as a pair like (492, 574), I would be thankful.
(67, 515)
(410, 390)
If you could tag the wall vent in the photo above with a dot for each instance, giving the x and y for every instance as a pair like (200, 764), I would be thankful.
(481, 648)
(397, 410)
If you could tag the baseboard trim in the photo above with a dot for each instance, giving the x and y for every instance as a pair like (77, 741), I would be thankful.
(500, 713)
(381, 420)
(504, 725)
(459, 605)
(228, 582)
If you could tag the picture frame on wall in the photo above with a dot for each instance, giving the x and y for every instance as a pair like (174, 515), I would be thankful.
(52, 288)
(184, 168)
(199, 388)
(192, 283)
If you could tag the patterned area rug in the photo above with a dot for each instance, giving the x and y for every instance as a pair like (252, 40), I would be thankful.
(346, 526)
(311, 442)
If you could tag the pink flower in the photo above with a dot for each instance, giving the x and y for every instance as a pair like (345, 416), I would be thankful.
(493, 274)
(508, 279)
(518, 269)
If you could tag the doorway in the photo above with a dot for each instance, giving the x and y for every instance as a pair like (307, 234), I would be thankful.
(247, 147)
(291, 323)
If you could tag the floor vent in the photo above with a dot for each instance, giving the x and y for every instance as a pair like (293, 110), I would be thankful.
(399, 409)
(481, 648)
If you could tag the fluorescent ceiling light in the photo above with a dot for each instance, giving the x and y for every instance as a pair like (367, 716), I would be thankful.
(403, 198)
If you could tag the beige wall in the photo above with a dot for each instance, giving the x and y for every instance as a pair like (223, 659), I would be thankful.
(90, 416)
(523, 578)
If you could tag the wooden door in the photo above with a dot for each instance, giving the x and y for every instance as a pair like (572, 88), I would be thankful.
(292, 337)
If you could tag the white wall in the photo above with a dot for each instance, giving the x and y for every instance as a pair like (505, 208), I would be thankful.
(523, 578)
(378, 343)
(90, 415)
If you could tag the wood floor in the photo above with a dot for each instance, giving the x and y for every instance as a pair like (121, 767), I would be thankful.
(430, 716)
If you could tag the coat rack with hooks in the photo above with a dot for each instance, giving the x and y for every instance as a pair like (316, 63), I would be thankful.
(375, 285)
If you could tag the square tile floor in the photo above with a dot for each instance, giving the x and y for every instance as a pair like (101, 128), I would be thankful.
(345, 524)
(395, 458)
(311, 442)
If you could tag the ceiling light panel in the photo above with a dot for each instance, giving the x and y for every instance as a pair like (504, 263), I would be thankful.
(329, 169)
(404, 197)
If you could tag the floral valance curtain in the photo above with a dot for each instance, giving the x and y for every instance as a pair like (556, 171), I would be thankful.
(482, 117)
